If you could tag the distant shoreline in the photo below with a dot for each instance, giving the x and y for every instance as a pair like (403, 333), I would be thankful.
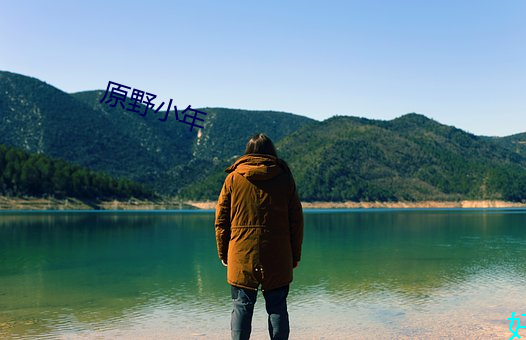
(66, 204)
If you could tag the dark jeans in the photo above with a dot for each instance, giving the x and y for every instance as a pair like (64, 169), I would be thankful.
(276, 305)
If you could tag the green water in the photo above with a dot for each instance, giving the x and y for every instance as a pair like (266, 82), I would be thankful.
(364, 274)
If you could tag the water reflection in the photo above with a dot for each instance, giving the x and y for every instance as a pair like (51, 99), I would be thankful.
(388, 271)
(411, 251)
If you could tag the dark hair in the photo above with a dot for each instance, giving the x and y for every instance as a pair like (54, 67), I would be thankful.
(260, 143)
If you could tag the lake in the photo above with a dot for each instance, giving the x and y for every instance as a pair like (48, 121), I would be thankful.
(364, 274)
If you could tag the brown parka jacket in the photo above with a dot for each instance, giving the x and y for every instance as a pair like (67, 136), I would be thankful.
(259, 222)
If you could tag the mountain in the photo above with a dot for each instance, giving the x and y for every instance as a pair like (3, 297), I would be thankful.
(166, 156)
(40, 118)
(408, 158)
(341, 158)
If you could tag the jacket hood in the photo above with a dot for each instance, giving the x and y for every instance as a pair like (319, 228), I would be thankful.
(258, 167)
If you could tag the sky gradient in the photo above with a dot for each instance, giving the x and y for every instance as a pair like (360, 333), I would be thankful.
(462, 63)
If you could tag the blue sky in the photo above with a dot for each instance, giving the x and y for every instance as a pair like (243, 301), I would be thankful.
(462, 63)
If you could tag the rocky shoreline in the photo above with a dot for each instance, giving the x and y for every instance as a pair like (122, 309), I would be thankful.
(29, 203)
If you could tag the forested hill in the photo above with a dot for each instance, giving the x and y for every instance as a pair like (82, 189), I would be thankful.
(166, 156)
(408, 158)
(341, 158)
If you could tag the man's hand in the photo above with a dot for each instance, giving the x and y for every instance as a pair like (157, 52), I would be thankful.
(224, 263)
(295, 264)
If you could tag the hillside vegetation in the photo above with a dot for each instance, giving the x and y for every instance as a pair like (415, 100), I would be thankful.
(411, 158)
(24, 174)
(166, 156)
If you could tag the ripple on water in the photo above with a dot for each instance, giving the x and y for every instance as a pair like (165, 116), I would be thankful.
(409, 282)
